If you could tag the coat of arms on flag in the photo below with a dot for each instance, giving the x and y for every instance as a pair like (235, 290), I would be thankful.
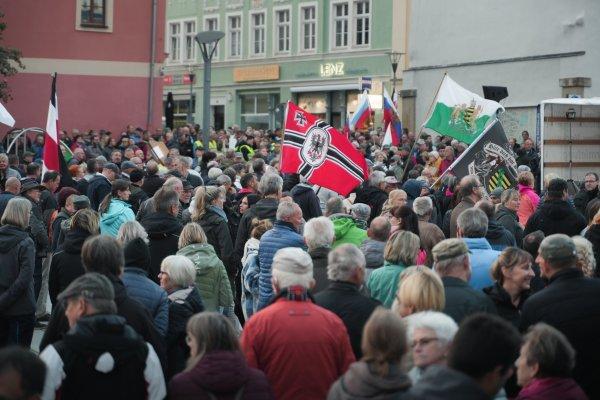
(314, 149)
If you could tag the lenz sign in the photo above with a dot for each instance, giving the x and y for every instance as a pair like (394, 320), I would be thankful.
(332, 69)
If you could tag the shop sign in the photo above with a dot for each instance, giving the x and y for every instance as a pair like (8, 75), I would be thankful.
(332, 69)
(256, 73)
(183, 79)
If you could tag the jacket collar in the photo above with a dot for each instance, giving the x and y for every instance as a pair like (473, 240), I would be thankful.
(565, 274)
(477, 243)
(136, 271)
(285, 225)
(343, 286)
(454, 282)
(319, 252)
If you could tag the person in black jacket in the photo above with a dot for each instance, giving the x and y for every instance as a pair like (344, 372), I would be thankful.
(163, 229)
(138, 196)
(319, 236)
(346, 271)
(101, 184)
(373, 194)
(588, 193)
(177, 277)
(497, 235)
(555, 215)
(571, 304)
(17, 258)
(103, 254)
(506, 214)
(152, 181)
(304, 195)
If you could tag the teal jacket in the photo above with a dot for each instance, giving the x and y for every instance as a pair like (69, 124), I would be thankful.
(117, 214)
(383, 283)
(347, 231)
(211, 276)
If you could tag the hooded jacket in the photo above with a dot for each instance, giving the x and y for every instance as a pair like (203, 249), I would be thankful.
(510, 220)
(219, 237)
(504, 305)
(98, 188)
(211, 276)
(583, 197)
(319, 259)
(529, 203)
(223, 374)
(304, 195)
(66, 265)
(499, 237)
(346, 230)
(360, 382)
(556, 216)
(263, 209)
(412, 187)
(373, 197)
(593, 235)
(117, 214)
(17, 259)
(383, 283)
(163, 231)
(443, 383)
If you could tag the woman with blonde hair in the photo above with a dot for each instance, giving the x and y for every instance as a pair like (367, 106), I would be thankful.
(379, 374)
(400, 252)
(396, 198)
(216, 367)
(586, 262)
(529, 198)
(420, 289)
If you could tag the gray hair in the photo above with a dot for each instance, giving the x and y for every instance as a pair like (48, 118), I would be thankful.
(334, 205)
(187, 161)
(181, 270)
(473, 223)
(422, 206)
(292, 266)
(223, 180)
(95, 289)
(270, 184)
(171, 182)
(446, 266)
(376, 178)
(165, 198)
(508, 194)
(131, 230)
(214, 172)
(343, 261)
(318, 232)
(285, 210)
(585, 256)
(361, 211)
(17, 213)
(444, 326)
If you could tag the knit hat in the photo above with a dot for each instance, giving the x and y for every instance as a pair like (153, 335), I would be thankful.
(449, 248)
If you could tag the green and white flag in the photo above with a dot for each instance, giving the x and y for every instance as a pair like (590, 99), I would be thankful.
(459, 113)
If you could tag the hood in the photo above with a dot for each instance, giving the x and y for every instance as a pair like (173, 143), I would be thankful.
(137, 254)
(341, 225)
(74, 240)
(161, 223)
(556, 209)
(360, 383)
(440, 382)
(266, 208)
(221, 371)
(372, 193)
(203, 256)
(190, 297)
(503, 211)
(412, 187)
(92, 332)
(495, 230)
(114, 212)
(300, 188)
(10, 236)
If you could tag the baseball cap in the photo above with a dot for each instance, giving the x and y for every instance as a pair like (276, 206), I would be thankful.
(449, 248)
(113, 167)
(81, 202)
(557, 247)
(127, 165)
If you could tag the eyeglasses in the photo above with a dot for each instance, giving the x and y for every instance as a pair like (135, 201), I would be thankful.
(423, 342)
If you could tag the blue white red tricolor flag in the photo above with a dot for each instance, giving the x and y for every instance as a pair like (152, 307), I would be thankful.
(51, 147)
(391, 121)
(320, 153)
(360, 119)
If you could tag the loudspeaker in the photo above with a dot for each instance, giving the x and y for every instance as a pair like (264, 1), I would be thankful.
(495, 93)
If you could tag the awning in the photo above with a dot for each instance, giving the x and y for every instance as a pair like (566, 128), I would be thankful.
(592, 101)
(325, 88)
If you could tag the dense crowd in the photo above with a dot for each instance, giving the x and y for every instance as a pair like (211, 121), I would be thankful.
(208, 274)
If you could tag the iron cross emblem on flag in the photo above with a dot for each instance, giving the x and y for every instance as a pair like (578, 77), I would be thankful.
(300, 118)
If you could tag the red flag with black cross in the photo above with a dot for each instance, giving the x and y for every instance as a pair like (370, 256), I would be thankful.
(317, 151)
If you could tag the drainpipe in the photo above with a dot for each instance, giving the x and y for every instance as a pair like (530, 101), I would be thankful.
(151, 71)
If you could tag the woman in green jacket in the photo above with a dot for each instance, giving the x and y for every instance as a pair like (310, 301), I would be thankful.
(400, 252)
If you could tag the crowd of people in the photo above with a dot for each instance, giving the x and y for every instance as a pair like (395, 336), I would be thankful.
(205, 273)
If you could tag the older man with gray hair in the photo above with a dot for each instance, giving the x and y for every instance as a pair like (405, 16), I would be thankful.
(373, 247)
(374, 194)
(346, 271)
(472, 227)
(430, 234)
(471, 192)
(571, 304)
(301, 347)
(318, 235)
(361, 214)
(283, 234)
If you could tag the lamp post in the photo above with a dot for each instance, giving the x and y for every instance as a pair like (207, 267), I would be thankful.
(395, 60)
(191, 76)
(208, 43)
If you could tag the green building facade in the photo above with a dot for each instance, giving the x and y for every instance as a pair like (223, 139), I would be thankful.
(312, 52)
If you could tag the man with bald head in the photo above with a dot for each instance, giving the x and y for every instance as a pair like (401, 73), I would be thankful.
(12, 188)
(373, 246)
(471, 191)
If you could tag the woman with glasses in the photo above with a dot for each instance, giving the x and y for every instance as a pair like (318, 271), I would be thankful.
(177, 275)
(216, 368)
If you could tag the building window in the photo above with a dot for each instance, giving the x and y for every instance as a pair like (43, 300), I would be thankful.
(235, 35)
(258, 34)
(282, 27)
(212, 24)
(340, 25)
(190, 33)
(93, 13)
(308, 28)
(362, 19)
(174, 41)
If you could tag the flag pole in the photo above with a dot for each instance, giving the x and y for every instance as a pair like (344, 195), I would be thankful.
(437, 92)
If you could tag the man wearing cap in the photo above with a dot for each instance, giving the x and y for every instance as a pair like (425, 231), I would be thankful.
(452, 264)
(571, 304)
(12, 188)
(101, 356)
(138, 196)
(101, 184)
(126, 168)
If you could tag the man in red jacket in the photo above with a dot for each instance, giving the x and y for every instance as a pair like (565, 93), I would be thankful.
(301, 347)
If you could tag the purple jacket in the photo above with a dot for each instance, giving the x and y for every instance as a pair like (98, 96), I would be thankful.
(222, 373)
(551, 389)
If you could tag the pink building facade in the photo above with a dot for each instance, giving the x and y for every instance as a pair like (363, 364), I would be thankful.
(101, 50)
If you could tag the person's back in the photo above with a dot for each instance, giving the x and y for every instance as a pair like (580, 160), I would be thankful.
(163, 230)
(482, 256)
(347, 231)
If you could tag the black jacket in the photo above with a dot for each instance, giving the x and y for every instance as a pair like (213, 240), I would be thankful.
(593, 235)
(345, 300)
(506, 309)
(263, 209)
(307, 199)
(66, 265)
(556, 216)
(151, 184)
(137, 197)
(319, 259)
(17, 260)
(38, 231)
(583, 197)
(163, 232)
(444, 383)
(571, 304)
(373, 197)
(509, 219)
(462, 300)
(97, 190)
(498, 236)
(218, 236)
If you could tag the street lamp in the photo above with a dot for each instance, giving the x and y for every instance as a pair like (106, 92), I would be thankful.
(395, 60)
(208, 43)
(191, 76)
